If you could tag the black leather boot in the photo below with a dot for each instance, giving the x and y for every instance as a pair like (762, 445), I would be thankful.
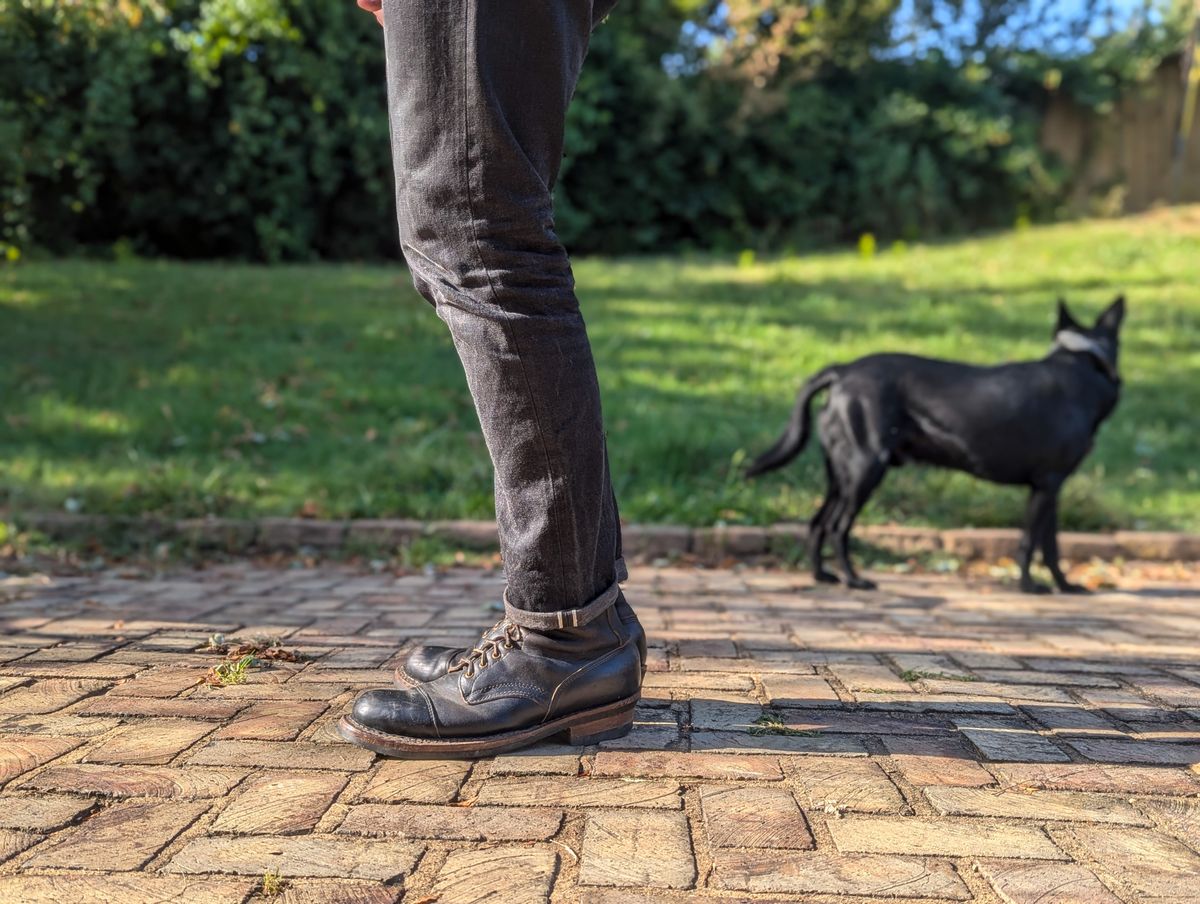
(426, 663)
(517, 687)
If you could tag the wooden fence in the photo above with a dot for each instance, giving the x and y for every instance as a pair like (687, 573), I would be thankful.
(1122, 160)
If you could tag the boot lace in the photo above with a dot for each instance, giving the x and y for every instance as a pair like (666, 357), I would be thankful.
(488, 651)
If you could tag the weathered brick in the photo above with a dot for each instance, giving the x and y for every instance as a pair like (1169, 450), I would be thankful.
(281, 804)
(745, 742)
(149, 707)
(12, 843)
(122, 888)
(71, 651)
(296, 755)
(137, 781)
(1075, 806)
(936, 703)
(580, 792)
(390, 532)
(835, 785)
(266, 687)
(47, 696)
(57, 725)
(159, 682)
(940, 838)
(937, 761)
(933, 666)
(1045, 883)
(740, 713)
(453, 823)
(111, 671)
(656, 764)
(648, 737)
(20, 753)
(732, 664)
(547, 759)
(1124, 704)
(300, 856)
(1103, 777)
(520, 875)
(786, 872)
(124, 837)
(41, 814)
(328, 891)
(864, 723)
(870, 678)
(697, 647)
(148, 743)
(1073, 721)
(997, 739)
(416, 781)
(294, 533)
(1180, 816)
(799, 691)
(1174, 732)
(1016, 693)
(690, 681)
(753, 817)
(988, 544)
(640, 849)
(1138, 752)
(653, 541)
(371, 677)
(1149, 864)
(1049, 679)
(1159, 545)
(273, 721)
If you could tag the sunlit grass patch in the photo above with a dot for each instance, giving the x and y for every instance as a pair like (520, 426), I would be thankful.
(189, 389)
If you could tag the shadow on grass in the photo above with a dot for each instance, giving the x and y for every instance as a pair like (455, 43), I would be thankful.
(183, 390)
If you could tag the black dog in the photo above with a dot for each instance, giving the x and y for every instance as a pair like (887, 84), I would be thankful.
(1028, 424)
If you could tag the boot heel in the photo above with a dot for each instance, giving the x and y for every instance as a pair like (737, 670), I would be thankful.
(605, 728)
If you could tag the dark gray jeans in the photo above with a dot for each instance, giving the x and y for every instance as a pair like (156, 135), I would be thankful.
(478, 93)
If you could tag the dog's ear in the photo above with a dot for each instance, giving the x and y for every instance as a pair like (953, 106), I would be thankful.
(1065, 320)
(1110, 320)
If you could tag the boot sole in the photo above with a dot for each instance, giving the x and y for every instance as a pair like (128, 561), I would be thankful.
(590, 726)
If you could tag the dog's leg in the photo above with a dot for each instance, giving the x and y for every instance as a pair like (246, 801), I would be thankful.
(856, 496)
(819, 525)
(1030, 539)
(1050, 547)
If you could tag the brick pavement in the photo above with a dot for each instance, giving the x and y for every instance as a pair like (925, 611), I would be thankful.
(933, 741)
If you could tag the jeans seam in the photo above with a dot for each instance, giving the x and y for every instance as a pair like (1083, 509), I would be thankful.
(468, 41)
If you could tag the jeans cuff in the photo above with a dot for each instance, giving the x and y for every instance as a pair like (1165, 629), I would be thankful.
(568, 618)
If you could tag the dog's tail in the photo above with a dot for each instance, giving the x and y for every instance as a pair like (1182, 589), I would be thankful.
(795, 436)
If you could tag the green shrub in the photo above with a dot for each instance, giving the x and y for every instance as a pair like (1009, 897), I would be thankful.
(257, 128)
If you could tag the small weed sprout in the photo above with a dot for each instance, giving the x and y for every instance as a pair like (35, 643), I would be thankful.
(773, 724)
(228, 673)
(272, 883)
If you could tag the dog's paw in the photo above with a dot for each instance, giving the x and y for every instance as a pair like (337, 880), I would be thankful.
(825, 577)
(1034, 587)
(857, 583)
(1068, 587)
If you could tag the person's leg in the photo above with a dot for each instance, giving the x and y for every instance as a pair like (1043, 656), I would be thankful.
(478, 93)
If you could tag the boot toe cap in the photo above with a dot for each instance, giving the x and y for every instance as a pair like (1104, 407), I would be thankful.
(395, 711)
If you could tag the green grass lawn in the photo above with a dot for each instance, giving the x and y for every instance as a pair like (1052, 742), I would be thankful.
(184, 389)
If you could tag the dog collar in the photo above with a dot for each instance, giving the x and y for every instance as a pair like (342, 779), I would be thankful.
(1077, 342)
